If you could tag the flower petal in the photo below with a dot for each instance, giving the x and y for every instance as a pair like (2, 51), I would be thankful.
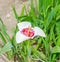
(24, 25)
(20, 37)
(39, 32)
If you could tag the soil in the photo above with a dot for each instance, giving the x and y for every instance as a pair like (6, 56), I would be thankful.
(8, 17)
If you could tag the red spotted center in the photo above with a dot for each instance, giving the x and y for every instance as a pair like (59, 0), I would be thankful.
(28, 32)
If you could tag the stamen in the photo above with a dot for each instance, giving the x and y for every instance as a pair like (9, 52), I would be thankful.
(28, 32)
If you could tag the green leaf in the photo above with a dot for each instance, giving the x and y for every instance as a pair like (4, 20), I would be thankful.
(15, 13)
(32, 4)
(6, 48)
(23, 10)
(2, 37)
(46, 5)
(39, 6)
(51, 15)
(55, 49)
(58, 33)
(4, 30)
(37, 54)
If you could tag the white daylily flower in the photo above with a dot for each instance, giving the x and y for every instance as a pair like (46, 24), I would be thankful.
(27, 32)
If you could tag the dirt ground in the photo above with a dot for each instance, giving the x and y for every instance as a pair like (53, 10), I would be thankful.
(8, 18)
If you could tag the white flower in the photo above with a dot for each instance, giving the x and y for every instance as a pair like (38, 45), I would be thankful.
(27, 32)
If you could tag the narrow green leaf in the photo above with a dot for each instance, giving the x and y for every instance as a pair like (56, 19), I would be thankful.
(6, 48)
(46, 5)
(15, 13)
(2, 38)
(4, 30)
(23, 10)
(32, 4)
(39, 6)
(38, 54)
(58, 33)
(51, 15)
(55, 49)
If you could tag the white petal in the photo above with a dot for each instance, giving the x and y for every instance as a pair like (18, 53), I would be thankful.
(39, 32)
(20, 37)
(24, 25)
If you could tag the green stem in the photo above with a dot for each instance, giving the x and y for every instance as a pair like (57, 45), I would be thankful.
(29, 50)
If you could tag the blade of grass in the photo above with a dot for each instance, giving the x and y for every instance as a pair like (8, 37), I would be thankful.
(15, 13)
(4, 31)
(51, 15)
(8, 46)
(3, 38)
(23, 10)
